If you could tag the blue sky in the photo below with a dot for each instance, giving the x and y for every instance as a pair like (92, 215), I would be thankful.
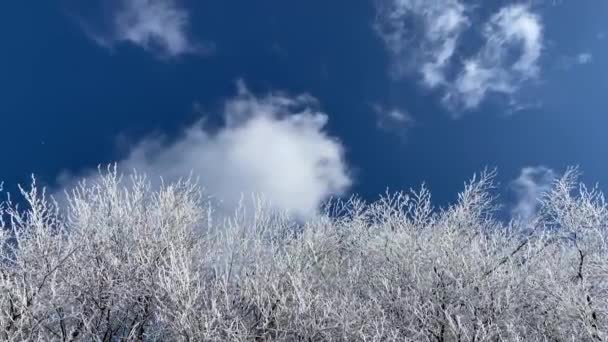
(303, 100)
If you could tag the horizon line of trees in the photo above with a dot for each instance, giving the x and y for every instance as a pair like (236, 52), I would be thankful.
(120, 260)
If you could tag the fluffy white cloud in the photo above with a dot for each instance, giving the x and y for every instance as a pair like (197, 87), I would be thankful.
(274, 146)
(158, 26)
(431, 31)
(529, 187)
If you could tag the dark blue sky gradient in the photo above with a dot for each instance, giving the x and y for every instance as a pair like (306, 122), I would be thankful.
(67, 104)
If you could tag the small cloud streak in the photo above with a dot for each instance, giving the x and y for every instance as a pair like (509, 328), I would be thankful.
(157, 26)
(393, 120)
(531, 184)
(584, 58)
(569, 62)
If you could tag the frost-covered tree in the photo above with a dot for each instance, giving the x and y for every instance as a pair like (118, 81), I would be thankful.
(119, 260)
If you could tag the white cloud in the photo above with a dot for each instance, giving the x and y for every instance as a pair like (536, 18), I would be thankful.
(274, 146)
(529, 187)
(422, 34)
(154, 22)
(159, 26)
(431, 31)
(514, 30)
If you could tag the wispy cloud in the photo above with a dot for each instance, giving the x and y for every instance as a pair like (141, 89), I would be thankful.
(493, 69)
(584, 58)
(432, 30)
(568, 62)
(393, 120)
(274, 146)
(158, 26)
(422, 34)
(529, 187)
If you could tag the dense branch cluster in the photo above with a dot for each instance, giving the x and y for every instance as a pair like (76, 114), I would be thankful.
(122, 261)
